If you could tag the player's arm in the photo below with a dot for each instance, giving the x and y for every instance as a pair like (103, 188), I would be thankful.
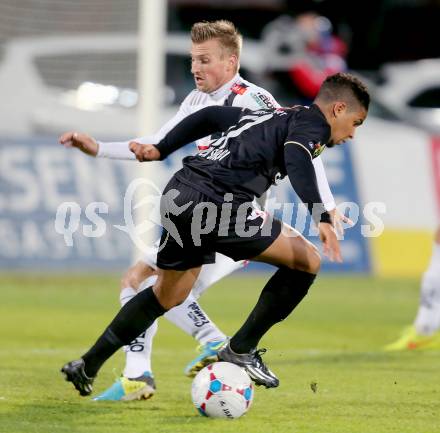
(301, 172)
(121, 149)
(305, 135)
(299, 167)
(197, 125)
(323, 186)
(88, 145)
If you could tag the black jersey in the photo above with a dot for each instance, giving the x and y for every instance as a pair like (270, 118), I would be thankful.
(255, 149)
(249, 157)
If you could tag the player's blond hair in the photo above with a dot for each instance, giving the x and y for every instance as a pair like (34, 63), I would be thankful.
(227, 34)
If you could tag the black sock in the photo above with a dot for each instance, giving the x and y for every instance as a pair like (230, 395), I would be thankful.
(133, 318)
(282, 293)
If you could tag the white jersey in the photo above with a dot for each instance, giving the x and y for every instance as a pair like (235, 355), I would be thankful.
(236, 93)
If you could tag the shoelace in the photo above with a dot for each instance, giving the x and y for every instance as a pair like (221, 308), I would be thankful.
(260, 364)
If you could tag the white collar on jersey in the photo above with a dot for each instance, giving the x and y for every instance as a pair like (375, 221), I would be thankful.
(226, 88)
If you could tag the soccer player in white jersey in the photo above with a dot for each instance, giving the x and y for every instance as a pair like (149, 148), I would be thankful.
(215, 54)
(424, 333)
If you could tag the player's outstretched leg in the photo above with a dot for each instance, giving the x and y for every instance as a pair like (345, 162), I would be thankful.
(298, 261)
(188, 316)
(137, 381)
(425, 332)
(139, 313)
(427, 323)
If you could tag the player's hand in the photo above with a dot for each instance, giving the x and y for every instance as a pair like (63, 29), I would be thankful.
(330, 242)
(338, 218)
(144, 152)
(85, 143)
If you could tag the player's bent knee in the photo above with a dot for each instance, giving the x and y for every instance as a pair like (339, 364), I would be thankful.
(314, 261)
(170, 298)
(306, 258)
(135, 275)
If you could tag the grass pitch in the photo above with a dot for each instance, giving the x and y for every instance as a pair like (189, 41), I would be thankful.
(332, 343)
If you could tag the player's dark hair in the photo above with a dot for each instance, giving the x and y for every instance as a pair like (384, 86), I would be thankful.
(344, 86)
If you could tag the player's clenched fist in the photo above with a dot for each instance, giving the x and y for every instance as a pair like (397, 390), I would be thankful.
(83, 142)
(144, 152)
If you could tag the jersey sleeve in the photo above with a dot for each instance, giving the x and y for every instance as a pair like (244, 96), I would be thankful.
(115, 150)
(323, 185)
(306, 136)
(302, 177)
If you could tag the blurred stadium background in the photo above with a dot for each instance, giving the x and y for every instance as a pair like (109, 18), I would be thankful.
(74, 65)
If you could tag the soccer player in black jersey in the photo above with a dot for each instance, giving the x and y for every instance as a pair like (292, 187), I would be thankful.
(206, 207)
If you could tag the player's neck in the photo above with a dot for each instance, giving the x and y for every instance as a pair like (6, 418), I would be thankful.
(326, 110)
(226, 85)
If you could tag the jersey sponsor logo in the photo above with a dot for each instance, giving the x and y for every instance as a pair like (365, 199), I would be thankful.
(264, 101)
(316, 148)
(239, 89)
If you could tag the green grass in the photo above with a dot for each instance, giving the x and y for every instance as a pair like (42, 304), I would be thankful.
(334, 339)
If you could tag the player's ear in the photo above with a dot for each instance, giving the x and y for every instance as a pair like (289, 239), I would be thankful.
(339, 108)
(233, 61)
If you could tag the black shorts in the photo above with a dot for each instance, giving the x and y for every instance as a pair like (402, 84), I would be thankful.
(195, 228)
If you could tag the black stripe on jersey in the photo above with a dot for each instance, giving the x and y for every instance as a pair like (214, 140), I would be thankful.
(230, 99)
(227, 103)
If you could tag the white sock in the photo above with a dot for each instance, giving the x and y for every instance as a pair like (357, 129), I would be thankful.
(428, 317)
(129, 292)
(190, 317)
(138, 352)
(214, 272)
(126, 294)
